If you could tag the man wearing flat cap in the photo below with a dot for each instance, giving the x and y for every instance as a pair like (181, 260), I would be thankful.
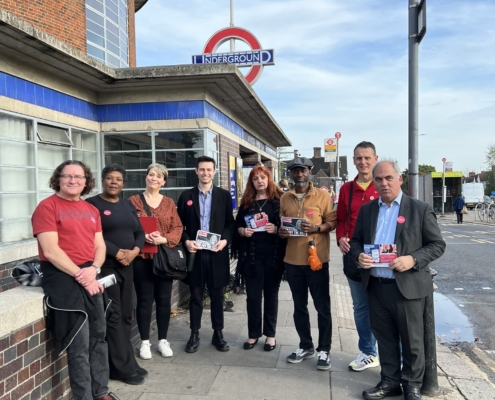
(315, 208)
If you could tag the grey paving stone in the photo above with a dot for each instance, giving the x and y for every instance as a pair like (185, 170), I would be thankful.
(475, 389)
(274, 384)
(455, 367)
(349, 341)
(350, 385)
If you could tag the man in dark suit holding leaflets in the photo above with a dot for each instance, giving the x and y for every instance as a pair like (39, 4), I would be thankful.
(397, 293)
(207, 208)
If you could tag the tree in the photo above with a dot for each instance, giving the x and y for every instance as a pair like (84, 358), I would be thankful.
(283, 156)
(490, 181)
(490, 156)
(423, 170)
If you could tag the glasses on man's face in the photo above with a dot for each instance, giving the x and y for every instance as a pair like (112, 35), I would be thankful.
(70, 177)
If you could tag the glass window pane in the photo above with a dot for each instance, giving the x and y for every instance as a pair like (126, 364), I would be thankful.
(113, 28)
(90, 25)
(179, 159)
(212, 140)
(87, 158)
(44, 176)
(53, 134)
(138, 160)
(91, 15)
(17, 179)
(179, 140)
(23, 205)
(16, 153)
(15, 128)
(15, 230)
(123, 25)
(84, 140)
(123, 5)
(112, 61)
(135, 180)
(182, 178)
(95, 4)
(113, 16)
(115, 142)
(50, 156)
(95, 52)
(113, 38)
(114, 49)
(94, 38)
(112, 6)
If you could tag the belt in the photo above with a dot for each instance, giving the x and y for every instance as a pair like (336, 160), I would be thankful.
(383, 280)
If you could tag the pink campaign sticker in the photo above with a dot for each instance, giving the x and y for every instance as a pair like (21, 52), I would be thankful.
(189, 203)
(372, 197)
(309, 213)
(401, 219)
(107, 212)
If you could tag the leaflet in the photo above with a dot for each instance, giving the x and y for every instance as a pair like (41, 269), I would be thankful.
(382, 254)
(293, 225)
(207, 239)
(257, 221)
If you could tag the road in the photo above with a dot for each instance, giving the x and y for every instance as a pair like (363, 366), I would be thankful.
(465, 293)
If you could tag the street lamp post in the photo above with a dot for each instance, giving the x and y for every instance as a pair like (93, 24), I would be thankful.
(338, 135)
(443, 186)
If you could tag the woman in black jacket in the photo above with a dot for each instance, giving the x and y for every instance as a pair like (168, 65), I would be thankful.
(261, 253)
(124, 239)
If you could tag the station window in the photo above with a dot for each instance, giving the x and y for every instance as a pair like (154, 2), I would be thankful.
(107, 37)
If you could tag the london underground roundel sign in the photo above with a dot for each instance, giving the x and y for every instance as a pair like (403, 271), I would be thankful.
(256, 58)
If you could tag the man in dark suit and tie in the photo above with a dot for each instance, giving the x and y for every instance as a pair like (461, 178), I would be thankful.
(397, 293)
(207, 208)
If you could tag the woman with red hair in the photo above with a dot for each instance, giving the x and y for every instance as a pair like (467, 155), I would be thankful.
(261, 254)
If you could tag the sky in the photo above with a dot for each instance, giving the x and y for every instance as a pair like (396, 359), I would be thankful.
(342, 66)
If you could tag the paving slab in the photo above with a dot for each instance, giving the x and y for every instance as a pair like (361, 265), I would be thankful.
(475, 389)
(455, 367)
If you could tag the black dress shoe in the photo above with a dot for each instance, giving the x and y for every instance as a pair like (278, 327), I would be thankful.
(135, 379)
(193, 342)
(412, 393)
(142, 372)
(269, 347)
(219, 342)
(249, 346)
(381, 391)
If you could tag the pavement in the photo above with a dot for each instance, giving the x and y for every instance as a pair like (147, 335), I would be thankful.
(258, 375)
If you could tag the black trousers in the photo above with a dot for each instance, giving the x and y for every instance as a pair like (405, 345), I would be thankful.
(301, 278)
(197, 292)
(459, 216)
(262, 285)
(151, 287)
(397, 321)
(120, 351)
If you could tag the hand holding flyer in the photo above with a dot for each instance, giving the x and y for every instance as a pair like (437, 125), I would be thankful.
(293, 225)
(257, 221)
(382, 254)
(207, 240)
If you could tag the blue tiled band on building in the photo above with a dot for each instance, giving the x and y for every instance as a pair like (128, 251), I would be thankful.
(32, 93)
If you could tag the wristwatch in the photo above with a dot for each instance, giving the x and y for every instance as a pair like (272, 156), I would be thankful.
(98, 269)
(318, 228)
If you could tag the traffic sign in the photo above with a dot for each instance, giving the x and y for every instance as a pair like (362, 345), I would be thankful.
(338, 135)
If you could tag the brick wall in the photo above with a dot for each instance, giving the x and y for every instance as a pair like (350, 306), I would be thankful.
(226, 147)
(131, 31)
(29, 367)
(6, 281)
(63, 19)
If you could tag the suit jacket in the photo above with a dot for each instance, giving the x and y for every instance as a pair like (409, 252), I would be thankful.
(221, 222)
(418, 236)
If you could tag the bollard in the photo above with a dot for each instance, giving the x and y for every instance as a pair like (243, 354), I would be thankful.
(430, 380)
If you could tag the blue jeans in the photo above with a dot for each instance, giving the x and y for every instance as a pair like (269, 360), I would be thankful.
(87, 358)
(367, 342)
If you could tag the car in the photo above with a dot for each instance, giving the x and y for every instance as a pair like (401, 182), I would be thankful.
(487, 199)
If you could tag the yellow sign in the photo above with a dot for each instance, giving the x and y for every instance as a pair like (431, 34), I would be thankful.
(450, 174)
(330, 148)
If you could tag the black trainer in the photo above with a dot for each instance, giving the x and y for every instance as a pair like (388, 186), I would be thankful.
(142, 372)
(219, 342)
(193, 343)
(300, 354)
(323, 362)
(134, 379)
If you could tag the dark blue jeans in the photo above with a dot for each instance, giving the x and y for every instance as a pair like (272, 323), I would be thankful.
(301, 278)
(87, 358)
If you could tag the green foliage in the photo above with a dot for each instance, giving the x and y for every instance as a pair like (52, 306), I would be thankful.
(490, 156)
(490, 181)
(423, 170)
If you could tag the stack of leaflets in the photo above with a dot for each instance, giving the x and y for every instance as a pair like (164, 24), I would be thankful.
(293, 225)
(382, 254)
(257, 221)
(207, 239)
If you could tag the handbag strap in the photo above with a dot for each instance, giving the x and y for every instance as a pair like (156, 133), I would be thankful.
(349, 209)
(145, 205)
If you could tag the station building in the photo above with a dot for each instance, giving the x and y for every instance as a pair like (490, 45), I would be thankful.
(70, 89)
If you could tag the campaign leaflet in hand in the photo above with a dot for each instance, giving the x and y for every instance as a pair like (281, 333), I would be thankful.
(207, 239)
(257, 221)
(293, 225)
(382, 254)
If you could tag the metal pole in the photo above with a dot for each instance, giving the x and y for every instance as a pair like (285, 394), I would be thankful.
(413, 98)
(443, 188)
(232, 41)
(338, 160)
(430, 380)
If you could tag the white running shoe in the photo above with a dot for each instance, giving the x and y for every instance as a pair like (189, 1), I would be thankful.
(364, 361)
(164, 348)
(144, 350)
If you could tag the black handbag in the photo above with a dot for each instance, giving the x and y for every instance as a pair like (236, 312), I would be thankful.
(351, 268)
(168, 262)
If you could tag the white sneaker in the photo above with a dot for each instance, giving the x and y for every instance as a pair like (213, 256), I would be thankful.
(364, 361)
(144, 350)
(164, 348)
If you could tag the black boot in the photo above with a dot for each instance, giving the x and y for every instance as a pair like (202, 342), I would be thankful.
(219, 342)
(193, 343)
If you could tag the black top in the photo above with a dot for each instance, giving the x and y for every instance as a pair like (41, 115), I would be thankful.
(121, 227)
